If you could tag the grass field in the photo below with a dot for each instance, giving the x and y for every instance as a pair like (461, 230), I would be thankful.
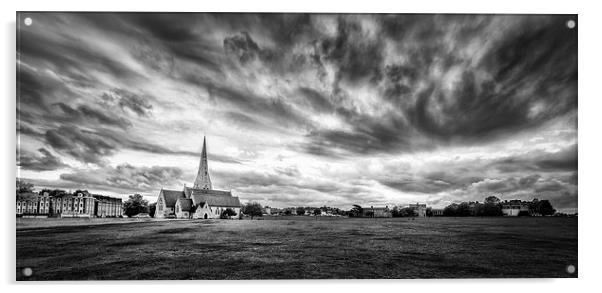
(297, 248)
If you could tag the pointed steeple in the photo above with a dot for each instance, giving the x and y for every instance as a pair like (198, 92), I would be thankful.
(202, 178)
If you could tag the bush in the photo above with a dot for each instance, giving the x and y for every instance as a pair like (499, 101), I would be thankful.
(227, 214)
(135, 204)
(252, 209)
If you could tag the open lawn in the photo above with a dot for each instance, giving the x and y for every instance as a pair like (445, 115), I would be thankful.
(297, 248)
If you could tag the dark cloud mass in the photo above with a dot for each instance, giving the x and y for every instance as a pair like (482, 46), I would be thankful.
(137, 179)
(562, 160)
(316, 107)
(92, 146)
(44, 162)
(84, 112)
(86, 146)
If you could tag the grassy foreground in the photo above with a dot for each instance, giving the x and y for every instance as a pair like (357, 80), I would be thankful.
(298, 248)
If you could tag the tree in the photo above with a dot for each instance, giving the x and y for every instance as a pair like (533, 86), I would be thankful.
(23, 186)
(84, 192)
(52, 192)
(463, 210)
(545, 208)
(151, 209)
(227, 214)
(492, 210)
(300, 211)
(45, 190)
(395, 212)
(450, 210)
(429, 212)
(408, 212)
(492, 200)
(541, 207)
(134, 205)
(356, 211)
(288, 212)
(57, 192)
(252, 209)
(317, 212)
(477, 209)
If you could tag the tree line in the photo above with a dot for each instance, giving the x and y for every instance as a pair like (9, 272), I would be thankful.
(492, 207)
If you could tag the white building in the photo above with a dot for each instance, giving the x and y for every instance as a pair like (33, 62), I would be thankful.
(514, 207)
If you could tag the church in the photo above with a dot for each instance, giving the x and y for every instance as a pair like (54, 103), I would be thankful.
(199, 202)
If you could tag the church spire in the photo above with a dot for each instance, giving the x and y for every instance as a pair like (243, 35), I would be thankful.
(202, 178)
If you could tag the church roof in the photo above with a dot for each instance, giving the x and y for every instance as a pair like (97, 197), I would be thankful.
(192, 191)
(212, 197)
(216, 200)
(171, 196)
(185, 204)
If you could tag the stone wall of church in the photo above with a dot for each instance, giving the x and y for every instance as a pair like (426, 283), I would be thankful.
(203, 213)
(212, 212)
(164, 212)
(180, 214)
(183, 215)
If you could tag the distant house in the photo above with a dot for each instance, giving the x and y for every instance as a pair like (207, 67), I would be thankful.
(267, 211)
(437, 212)
(419, 208)
(515, 208)
(377, 212)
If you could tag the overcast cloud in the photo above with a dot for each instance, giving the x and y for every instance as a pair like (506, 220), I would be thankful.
(302, 109)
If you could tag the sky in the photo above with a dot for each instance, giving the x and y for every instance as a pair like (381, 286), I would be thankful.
(302, 109)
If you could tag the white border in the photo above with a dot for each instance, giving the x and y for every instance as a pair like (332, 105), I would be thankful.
(589, 143)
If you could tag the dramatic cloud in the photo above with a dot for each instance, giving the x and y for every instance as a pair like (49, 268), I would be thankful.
(303, 108)
(46, 162)
(126, 177)
(128, 100)
(563, 160)
(84, 112)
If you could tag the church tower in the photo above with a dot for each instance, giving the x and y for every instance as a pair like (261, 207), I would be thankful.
(202, 178)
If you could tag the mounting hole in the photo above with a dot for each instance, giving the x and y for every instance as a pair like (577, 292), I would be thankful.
(27, 272)
(570, 269)
(28, 21)
(570, 24)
